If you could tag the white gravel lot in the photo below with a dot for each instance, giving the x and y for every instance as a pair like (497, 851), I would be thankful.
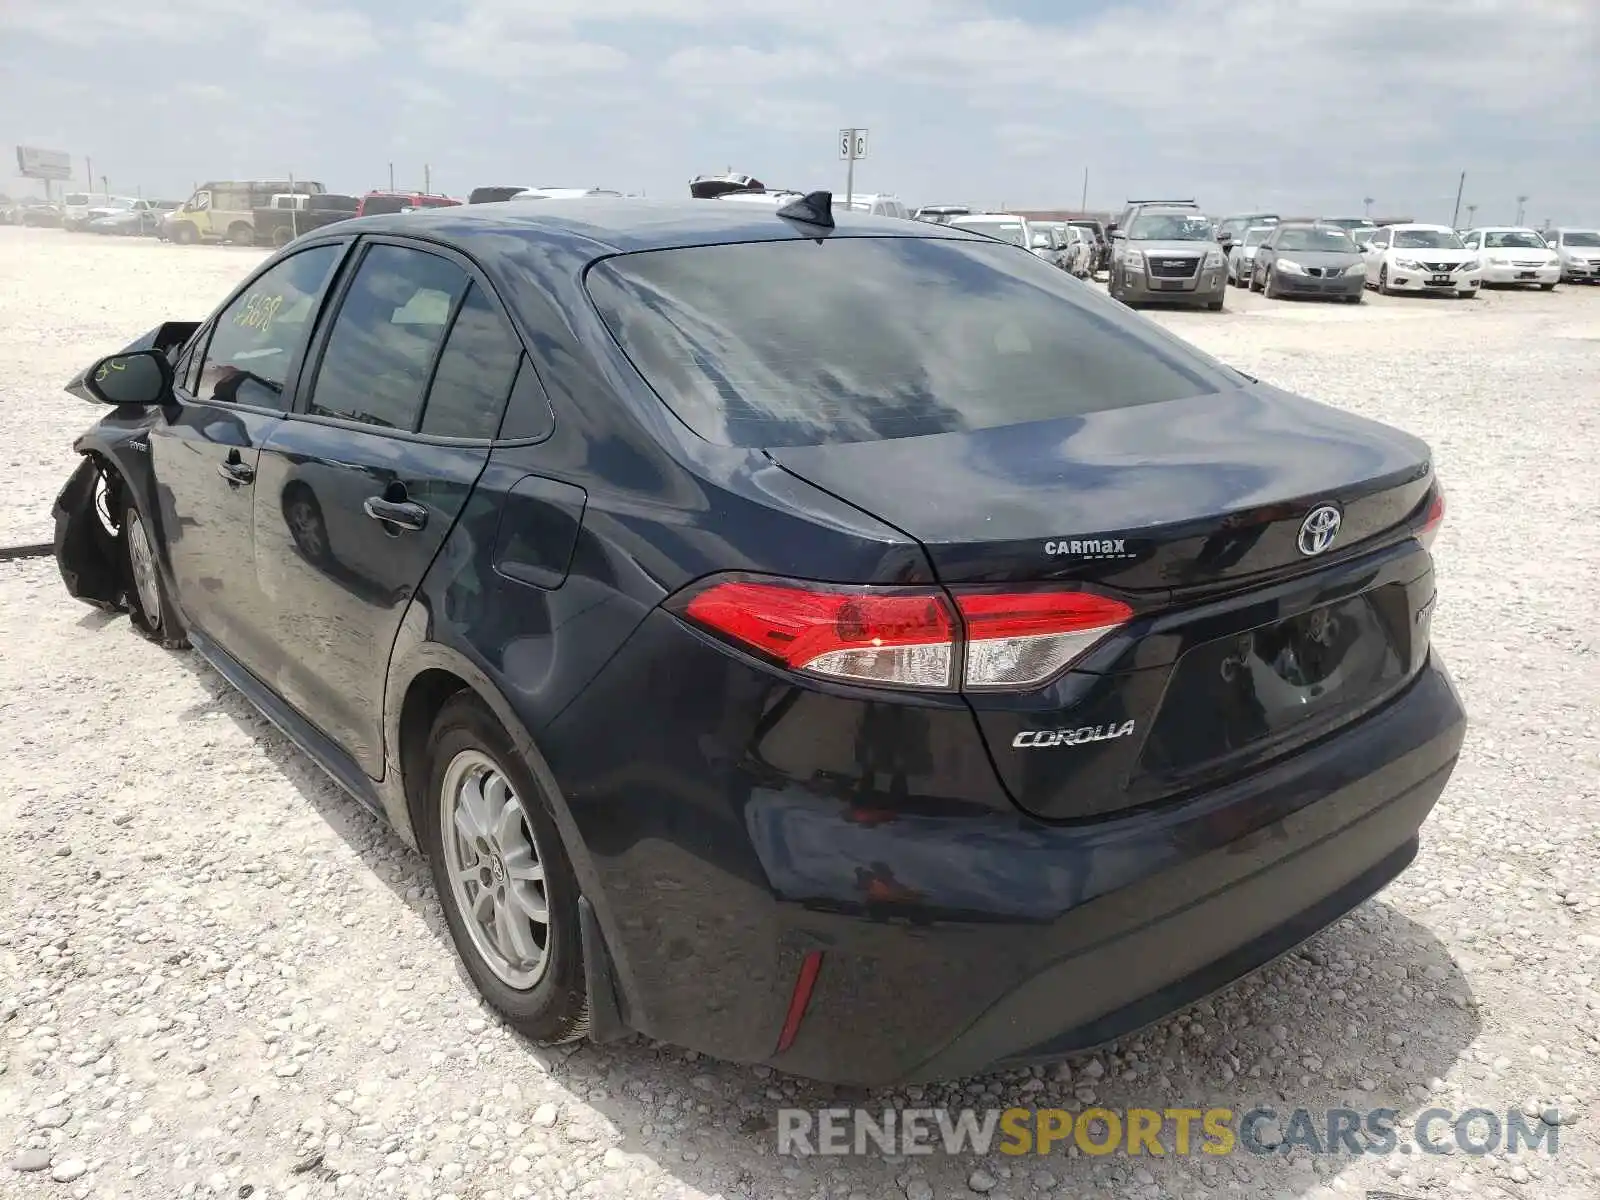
(220, 977)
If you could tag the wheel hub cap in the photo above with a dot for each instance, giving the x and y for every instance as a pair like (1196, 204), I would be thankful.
(496, 871)
(143, 562)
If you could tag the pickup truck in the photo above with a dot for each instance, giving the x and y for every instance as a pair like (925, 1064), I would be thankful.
(291, 214)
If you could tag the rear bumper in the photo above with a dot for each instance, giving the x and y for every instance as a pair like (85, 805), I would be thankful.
(752, 823)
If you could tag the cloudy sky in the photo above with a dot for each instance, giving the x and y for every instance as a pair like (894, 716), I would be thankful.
(1288, 105)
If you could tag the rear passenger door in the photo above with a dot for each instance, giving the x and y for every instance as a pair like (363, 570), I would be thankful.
(403, 391)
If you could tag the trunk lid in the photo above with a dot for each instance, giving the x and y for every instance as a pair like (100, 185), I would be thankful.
(1194, 492)
(1241, 646)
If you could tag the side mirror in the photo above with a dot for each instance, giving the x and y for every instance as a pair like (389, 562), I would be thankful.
(142, 378)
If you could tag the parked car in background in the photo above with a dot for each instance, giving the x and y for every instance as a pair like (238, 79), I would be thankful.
(1045, 240)
(1080, 249)
(709, 187)
(1243, 253)
(224, 209)
(142, 218)
(1351, 225)
(1168, 253)
(39, 214)
(1515, 255)
(1362, 234)
(290, 215)
(1005, 227)
(771, 197)
(1418, 257)
(941, 214)
(1579, 253)
(75, 208)
(374, 203)
(1232, 229)
(1305, 259)
(874, 205)
(495, 194)
(562, 193)
(1099, 244)
(879, 661)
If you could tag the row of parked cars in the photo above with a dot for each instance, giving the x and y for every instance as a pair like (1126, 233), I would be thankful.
(264, 212)
(1409, 257)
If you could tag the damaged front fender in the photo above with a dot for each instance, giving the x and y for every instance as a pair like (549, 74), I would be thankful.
(88, 553)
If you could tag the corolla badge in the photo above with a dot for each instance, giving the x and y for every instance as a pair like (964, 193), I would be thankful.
(1319, 529)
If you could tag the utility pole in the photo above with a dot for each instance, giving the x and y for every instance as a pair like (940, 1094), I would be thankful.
(1083, 203)
(391, 177)
(1472, 216)
(1369, 202)
(88, 164)
(105, 187)
(1521, 201)
(852, 146)
(427, 180)
(1459, 187)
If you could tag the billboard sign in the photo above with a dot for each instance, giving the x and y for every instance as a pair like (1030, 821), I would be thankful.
(33, 163)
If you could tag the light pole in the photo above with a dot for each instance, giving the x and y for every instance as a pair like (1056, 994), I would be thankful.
(1472, 213)
(1521, 201)
(1368, 202)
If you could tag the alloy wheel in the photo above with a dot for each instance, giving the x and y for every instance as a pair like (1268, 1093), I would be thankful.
(142, 560)
(495, 869)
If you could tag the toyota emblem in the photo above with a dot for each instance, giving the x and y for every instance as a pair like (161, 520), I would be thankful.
(1319, 529)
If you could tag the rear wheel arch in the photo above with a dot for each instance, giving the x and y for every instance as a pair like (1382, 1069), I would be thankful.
(431, 676)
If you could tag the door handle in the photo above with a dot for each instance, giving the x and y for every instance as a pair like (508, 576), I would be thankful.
(402, 513)
(236, 472)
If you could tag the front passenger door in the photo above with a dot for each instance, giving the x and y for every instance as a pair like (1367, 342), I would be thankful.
(233, 386)
(359, 488)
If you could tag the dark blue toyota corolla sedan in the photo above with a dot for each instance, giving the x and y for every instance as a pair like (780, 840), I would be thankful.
(860, 648)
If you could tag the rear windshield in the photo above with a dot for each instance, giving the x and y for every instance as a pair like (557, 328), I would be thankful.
(796, 343)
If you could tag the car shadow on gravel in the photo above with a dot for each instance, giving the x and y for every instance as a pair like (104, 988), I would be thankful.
(1362, 1017)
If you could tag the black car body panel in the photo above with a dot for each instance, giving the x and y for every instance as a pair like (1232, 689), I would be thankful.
(971, 899)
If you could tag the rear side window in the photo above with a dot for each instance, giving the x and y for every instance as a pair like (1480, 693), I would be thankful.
(475, 372)
(381, 349)
(860, 339)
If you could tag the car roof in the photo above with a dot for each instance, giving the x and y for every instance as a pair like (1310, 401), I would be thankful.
(1502, 229)
(1012, 218)
(612, 224)
(1421, 225)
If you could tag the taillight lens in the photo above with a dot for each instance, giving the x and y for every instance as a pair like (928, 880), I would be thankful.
(1018, 639)
(907, 638)
(1433, 518)
(885, 636)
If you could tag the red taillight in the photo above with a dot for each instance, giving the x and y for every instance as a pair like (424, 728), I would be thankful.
(910, 638)
(868, 635)
(1433, 518)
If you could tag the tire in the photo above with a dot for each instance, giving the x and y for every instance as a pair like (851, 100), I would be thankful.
(185, 234)
(150, 607)
(1214, 305)
(282, 236)
(241, 234)
(1354, 299)
(1547, 287)
(1255, 283)
(1383, 281)
(548, 1002)
(1266, 285)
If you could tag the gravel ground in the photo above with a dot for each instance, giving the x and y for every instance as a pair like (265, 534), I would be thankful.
(218, 976)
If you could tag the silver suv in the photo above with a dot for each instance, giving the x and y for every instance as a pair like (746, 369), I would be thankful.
(1167, 251)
